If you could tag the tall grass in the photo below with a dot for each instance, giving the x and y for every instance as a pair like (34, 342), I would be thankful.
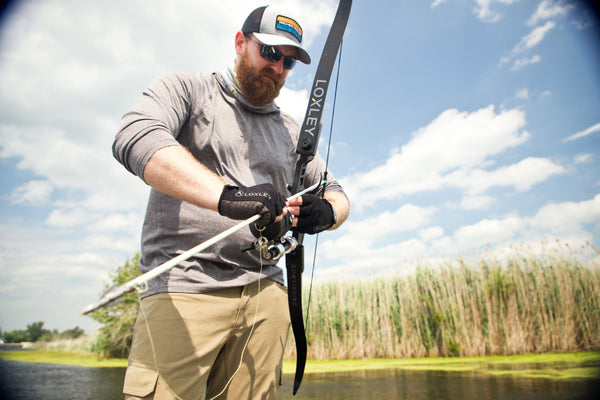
(84, 344)
(529, 300)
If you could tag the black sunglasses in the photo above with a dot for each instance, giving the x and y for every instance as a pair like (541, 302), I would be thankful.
(273, 54)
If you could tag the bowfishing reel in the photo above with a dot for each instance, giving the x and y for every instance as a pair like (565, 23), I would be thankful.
(271, 242)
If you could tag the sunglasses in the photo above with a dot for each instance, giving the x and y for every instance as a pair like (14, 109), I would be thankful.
(273, 54)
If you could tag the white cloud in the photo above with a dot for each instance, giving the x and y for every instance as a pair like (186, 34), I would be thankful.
(488, 231)
(407, 217)
(549, 9)
(117, 223)
(567, 219)
(363, 244)
(454, 141)
(35, 192)
(525, 61)
(585, 132)
(484, 9)
(68, 218)
(528, 42)
(534, 38)
(583, 158)
(293, 102)
(522, 93)
(430, 233)
(522, 175)
(354, 254)
(475, 202)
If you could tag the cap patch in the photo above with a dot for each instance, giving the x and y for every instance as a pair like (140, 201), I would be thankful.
(289, 25)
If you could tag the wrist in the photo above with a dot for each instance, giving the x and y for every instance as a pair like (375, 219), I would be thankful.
(334, 214)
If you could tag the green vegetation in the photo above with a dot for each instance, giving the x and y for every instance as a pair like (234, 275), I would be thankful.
(533, 300)
(35, 332)
(493, 315)
(546, 366)
(116, 333)
(61, 357)
(542, 299)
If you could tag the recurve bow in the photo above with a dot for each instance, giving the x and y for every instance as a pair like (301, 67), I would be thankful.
(307, 148)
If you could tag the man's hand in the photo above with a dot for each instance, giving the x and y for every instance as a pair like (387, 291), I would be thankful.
(244, 202)
(314, 214)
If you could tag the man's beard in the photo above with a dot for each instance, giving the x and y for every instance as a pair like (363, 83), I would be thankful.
(258, 90)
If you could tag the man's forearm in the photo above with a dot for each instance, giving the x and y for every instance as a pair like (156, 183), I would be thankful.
(340, 204)
(174, 171)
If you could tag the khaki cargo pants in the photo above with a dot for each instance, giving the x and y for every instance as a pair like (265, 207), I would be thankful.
(198, 341)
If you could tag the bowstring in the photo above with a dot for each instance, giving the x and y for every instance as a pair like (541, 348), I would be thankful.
(312, 273)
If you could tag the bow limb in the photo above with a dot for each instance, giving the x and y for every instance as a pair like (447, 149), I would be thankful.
(307, 148)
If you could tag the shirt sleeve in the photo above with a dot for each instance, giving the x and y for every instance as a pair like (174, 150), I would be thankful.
(154, 121)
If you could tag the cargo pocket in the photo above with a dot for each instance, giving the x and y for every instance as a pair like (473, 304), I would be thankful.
(139, 381)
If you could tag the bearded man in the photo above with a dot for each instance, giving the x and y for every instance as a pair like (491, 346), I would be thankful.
(216, 148)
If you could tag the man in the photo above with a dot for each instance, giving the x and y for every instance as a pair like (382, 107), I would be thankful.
(215, 148)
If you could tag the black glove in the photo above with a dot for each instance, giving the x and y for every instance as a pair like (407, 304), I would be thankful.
(316, 215)
(244, 202)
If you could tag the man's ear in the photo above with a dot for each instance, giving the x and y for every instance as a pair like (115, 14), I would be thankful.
(240, 43)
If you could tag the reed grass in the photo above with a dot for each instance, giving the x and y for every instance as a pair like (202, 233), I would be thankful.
(530, 299)
(84, 344)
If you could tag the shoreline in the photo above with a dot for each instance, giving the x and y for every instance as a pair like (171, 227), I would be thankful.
(556, 366)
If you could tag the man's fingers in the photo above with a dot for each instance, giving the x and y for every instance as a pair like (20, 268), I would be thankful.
(296, 201)
(294, 210)
(280, 217)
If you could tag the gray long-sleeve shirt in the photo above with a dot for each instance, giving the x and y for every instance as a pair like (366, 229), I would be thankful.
(242, 144)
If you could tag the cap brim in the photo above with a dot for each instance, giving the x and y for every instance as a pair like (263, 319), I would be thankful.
(278, 40)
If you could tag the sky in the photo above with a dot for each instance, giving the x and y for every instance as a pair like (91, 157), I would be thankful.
(459, 126)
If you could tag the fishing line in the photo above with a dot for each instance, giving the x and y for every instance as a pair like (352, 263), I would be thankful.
(253, 323)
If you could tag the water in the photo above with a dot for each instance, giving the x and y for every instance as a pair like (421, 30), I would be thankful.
(29, 381)
(435, 385)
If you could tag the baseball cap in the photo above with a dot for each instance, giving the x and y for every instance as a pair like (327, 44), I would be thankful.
(275, 28)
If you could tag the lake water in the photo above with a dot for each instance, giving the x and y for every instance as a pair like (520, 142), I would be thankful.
(29, 381)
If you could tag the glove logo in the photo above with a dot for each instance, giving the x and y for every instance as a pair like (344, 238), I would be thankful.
(241, 193)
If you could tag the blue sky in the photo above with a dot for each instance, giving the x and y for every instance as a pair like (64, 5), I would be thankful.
(459, 124)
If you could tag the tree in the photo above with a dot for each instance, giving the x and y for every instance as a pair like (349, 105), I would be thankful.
(72, 333)
(16, 336)
(118, 319)
(36, 330)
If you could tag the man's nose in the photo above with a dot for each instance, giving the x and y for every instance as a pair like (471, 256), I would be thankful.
(277, 66)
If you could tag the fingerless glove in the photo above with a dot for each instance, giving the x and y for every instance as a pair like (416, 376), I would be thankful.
(316, 215)
(244, 202)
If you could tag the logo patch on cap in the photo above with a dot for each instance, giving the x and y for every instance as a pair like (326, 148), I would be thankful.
(289, 25)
